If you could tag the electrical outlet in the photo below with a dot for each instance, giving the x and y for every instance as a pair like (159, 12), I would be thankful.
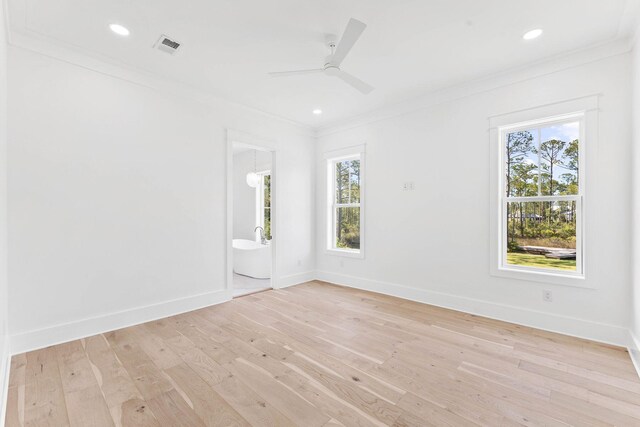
(408, 186)
(299, 263)
(341, 263)
(547, 296)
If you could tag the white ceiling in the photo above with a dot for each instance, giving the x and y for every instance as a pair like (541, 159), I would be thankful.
(409, 47)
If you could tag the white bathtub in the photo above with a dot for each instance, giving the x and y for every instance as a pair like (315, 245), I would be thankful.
(251, 259)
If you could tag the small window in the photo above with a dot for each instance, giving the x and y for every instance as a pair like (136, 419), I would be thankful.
(263, 204)
(345, 201)
(541, 196)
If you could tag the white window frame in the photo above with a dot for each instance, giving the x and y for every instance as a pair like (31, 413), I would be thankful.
(331, 158)
(260, 203)
(583, 111)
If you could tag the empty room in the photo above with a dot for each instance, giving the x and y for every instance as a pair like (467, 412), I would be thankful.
(319, 213)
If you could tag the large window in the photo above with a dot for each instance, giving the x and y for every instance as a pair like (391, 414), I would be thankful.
(263, 204)
(345, 201)
(542, 196)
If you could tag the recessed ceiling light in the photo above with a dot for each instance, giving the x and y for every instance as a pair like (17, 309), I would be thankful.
(530, 35)
(119, 30)
(317, 111)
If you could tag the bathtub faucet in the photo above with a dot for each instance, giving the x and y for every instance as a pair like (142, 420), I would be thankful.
(263, 239)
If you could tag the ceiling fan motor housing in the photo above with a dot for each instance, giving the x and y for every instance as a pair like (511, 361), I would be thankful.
(331, 70)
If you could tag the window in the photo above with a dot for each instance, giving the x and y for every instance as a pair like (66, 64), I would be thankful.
(541, 196)
(345, 201)
(263, 204)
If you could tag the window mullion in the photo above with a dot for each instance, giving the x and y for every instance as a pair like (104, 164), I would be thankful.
(566, 198)
(539, 164)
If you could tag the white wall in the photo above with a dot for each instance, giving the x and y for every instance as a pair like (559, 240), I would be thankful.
(635, 226)
(244, 197)
(432, 244)
(4, 342)
(118, 199)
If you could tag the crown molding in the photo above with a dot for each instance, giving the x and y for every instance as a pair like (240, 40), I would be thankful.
(34, 42)
(520, 74)
(628, 35)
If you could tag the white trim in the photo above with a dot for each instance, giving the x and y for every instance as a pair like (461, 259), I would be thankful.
(260, 203)
(32, 41)
(229, 215)
(295, 279)
(571, 198)
(65, 332)
(560, 110)
(261, 144)
(466, 89)
(584, 109)
(330, 158)
(252, 141)
(93, 61)
(344, 152)
(566, 325)
(5, 368)
(634, 351)
(347, 253)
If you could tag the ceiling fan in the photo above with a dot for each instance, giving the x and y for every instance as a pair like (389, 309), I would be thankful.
(338, 53)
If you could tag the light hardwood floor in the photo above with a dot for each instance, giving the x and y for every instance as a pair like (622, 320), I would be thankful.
(322, 355)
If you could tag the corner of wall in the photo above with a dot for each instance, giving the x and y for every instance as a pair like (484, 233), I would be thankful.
(295, 279)
(634, 350)
(5, 363)
(5, 355)
(634, 327)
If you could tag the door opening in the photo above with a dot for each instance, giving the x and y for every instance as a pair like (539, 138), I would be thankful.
(252, 253)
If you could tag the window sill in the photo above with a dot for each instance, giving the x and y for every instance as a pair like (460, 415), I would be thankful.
(577, 280)
(345, 253)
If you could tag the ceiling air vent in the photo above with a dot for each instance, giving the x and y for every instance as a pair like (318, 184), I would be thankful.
(167, 45)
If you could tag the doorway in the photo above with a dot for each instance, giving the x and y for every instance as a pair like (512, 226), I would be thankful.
(251, 216)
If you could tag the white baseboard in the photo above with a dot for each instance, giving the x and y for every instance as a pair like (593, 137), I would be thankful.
(295, 279)
(581, 328)
(57, 334)
(5, 364)
(566, 325)
(634, 350)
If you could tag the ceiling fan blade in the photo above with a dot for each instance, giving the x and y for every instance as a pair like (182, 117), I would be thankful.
(295, 73)
(349, 38)
(355, 82)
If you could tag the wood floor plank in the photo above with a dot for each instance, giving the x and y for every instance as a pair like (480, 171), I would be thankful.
(86, 405)
(323, 355)
(44, 396)
(15, 393)
(125, 402)
(207, 404)
(154, 346)
(146, 375)
(172, 410)
(274, 343)
(424, 410)
(206, 356)
(286, 400)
